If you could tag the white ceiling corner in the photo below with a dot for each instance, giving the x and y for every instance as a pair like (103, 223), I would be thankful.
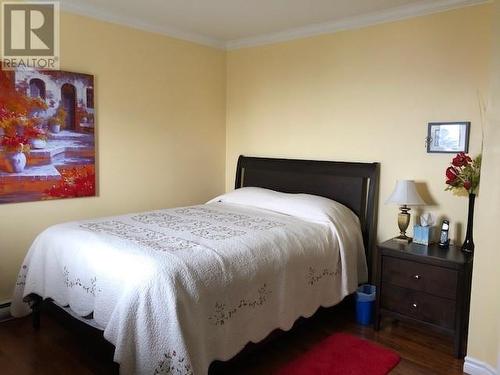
(232, 24)
(85, 9)
(355, 22)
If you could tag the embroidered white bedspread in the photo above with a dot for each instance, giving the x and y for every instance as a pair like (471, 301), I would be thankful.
(178, 288)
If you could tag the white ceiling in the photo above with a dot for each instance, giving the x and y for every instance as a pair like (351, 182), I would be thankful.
(235, 23)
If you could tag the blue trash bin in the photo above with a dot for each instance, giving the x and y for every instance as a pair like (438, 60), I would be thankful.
(365, 299)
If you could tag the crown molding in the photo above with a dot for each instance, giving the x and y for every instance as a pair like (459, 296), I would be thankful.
(356, 22)
(136, 23)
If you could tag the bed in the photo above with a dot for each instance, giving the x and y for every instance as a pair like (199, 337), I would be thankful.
(175, 289)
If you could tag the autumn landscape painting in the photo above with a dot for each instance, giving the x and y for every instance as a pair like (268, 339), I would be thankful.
(47, 135)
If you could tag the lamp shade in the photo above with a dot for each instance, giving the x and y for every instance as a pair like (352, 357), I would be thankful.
(405, 193)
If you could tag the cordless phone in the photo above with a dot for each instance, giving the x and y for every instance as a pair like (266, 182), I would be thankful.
(444, 241)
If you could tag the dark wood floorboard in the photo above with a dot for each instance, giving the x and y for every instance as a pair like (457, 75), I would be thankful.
(61, 347)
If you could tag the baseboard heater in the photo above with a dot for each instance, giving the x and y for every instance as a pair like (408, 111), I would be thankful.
(5, 311)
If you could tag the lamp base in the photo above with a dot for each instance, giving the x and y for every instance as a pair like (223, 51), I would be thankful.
(403, 239)
(403, 222)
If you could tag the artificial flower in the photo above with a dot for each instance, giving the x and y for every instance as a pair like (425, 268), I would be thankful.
(461, 160)
(451, 175)
(464, 173)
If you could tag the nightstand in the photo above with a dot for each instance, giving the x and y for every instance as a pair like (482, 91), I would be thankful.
(425, 285)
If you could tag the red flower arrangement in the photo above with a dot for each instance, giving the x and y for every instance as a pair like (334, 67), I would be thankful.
(35, 133)
(5, 114)
(464, 173)
(15, 106)
(461, 160)
(15, 143)
(76, 182)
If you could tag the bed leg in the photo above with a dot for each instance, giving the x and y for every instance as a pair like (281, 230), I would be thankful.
(35, 303)
(36, 308)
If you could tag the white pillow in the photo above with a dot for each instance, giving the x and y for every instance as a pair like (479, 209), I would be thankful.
(305, 206)
(248, 196)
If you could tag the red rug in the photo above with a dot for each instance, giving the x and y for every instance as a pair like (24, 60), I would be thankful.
(343, 354)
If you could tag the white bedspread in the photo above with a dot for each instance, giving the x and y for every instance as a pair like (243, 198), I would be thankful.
(176, 289)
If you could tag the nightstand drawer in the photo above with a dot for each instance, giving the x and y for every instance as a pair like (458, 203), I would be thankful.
(434, 280)
(419, 305)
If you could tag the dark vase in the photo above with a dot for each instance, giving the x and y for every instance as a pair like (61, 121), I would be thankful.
(468, 245)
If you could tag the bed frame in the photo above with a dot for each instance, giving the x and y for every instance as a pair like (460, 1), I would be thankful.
(353, 184)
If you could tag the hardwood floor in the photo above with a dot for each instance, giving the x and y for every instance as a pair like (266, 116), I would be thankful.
(62, 347)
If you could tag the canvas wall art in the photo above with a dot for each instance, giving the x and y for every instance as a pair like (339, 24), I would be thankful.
(47, 135)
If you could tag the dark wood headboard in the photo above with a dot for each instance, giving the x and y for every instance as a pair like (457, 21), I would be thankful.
(355, 185)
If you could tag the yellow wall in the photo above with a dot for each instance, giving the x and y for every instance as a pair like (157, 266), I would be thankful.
(365, 95)
(484, 328)
(160, 106)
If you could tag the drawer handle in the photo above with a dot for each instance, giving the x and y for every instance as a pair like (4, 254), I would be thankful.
(417, 277)
(414, 305)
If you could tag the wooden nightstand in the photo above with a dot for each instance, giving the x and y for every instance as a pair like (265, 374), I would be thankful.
(426, 285)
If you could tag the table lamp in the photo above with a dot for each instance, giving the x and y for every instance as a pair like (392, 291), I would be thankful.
(405, 194)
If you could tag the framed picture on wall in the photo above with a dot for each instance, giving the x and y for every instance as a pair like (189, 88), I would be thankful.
(448, 137)
(47, 135)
